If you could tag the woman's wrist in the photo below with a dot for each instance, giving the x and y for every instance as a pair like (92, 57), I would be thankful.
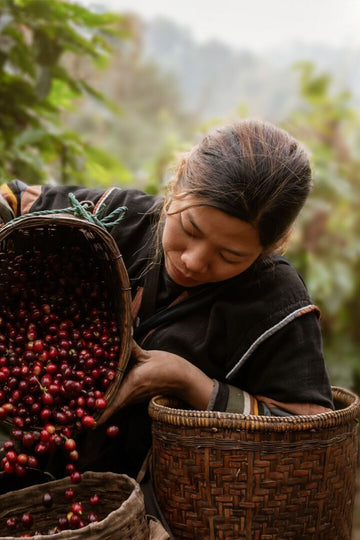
(196, 387)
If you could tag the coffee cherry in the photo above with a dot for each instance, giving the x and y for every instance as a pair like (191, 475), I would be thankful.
(11, 456)
(88, 421)
(100, 403)
(92, 517)
(32, 461)
(112, 431)
(8, 468)
(77, 508)
(70, 445)
(74, 520)
(28, 440)
(74, 455)
(69, 494)
(70, 468)
(23, 459)
(47, 500)
(94, 499)
(11, 523)
(75, 477)
(20, 470)
(8, 445)
(27, 520)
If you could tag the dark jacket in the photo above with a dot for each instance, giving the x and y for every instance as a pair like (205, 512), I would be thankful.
(258, 332)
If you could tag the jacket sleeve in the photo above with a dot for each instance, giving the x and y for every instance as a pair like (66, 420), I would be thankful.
(6, 212)
(18, 198)
(286, 375)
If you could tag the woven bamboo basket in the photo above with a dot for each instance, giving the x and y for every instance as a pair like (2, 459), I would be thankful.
(56, 233)
(230, 476)
(121, 511)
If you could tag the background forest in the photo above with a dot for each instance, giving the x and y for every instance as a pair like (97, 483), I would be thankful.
(104, 99)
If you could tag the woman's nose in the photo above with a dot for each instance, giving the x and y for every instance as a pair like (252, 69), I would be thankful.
(195, 259)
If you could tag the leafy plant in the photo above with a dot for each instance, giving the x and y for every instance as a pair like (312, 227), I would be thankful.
(36, 87)
(326, 247)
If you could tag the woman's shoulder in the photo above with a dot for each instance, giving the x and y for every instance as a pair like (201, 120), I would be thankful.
(273, 276)
(137, 202)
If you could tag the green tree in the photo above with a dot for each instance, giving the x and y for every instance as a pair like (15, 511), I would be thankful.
(326, 247)
(36, 87)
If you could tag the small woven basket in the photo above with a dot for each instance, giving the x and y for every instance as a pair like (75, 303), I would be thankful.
(57, 233)
(121, 509)
(229, 476)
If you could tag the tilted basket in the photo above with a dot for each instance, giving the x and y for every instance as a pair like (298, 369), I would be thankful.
(229, 476)
(57, 233)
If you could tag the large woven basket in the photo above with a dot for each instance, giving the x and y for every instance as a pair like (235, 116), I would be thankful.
(228, 476)
(121, 511)
(61, 231)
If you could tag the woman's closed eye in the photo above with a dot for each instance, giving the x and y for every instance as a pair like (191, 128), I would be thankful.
(188, 228)
(228, 260)
(231, 257)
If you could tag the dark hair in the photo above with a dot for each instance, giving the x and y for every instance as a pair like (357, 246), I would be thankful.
(252, 170)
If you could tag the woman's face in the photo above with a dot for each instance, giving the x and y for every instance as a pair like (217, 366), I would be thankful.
(203, 244)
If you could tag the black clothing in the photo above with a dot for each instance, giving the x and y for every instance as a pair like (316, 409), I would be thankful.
(258, 331)
(247, 330)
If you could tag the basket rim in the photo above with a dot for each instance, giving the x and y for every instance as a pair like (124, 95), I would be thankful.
(32, 220)
(124, 512)
(87, 476)
(166, 410)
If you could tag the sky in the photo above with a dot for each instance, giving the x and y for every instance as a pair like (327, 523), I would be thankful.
(254, 24)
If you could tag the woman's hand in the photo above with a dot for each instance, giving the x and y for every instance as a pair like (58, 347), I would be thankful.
(159, 372)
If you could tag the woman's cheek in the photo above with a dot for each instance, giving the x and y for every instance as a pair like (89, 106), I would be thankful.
(172, 239)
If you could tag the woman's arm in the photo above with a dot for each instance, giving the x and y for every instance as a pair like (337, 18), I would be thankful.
(22, 198)
(287, 373)
(285, 376)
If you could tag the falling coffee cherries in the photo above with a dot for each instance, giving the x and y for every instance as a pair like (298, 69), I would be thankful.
(59, 352)
(59, 348)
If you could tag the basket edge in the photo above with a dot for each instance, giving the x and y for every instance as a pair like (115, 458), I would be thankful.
(160, 412)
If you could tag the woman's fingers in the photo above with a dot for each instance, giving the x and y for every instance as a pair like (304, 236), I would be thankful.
(136, 350)
(137, 354)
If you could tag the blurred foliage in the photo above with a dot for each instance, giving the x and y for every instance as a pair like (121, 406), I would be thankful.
(326, 247)
(35, 87)
(52, 98)
(152, 125)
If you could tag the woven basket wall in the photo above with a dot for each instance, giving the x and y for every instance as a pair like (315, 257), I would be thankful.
(121, 512)
(228, 476)
(60, 232)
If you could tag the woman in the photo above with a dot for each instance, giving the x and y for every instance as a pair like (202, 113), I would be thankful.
(220, 320)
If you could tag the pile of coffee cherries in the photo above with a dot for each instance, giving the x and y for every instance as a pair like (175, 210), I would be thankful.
(59, 353)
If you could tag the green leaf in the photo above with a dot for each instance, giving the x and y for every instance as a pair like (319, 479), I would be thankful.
(62, 95)
(99, 96)
(30, 137)
(105, 169)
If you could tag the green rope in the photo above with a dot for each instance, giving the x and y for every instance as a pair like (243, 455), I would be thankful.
(79, 210)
